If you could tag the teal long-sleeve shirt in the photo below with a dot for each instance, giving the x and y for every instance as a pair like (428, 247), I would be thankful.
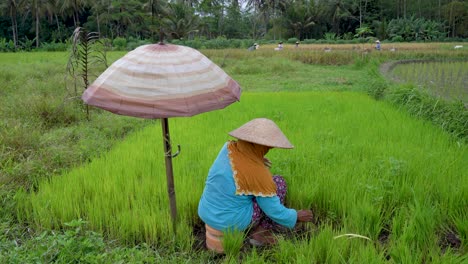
(222, 209)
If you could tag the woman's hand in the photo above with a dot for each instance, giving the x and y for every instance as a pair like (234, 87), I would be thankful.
(305, 216)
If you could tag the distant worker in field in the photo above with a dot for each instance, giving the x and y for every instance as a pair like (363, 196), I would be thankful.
(255, 46)
(280, 46)
(297, 44)
(377, 45)
(240, 191)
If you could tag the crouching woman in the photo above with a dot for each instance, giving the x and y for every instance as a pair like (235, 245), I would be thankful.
(241, 193)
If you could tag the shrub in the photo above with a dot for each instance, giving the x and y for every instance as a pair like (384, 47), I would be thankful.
(52, 113)
(6, 46)
(54, 46)
(26, 44)
(119, 43)
(309, 41)
(133, 44)
(218, 43)
(397, 39)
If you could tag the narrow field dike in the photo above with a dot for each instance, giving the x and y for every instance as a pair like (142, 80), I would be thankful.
(364, 167)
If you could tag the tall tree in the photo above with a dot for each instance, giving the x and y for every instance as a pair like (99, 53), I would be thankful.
(38, 9)
(10, 8)
(211, 14)
(456, 15)
(181, 21)
(340, 10)
(362, 10)
(299, 18)
(127, 18)
(73, 8)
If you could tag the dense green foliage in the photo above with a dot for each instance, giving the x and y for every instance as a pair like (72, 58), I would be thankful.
(24, 24)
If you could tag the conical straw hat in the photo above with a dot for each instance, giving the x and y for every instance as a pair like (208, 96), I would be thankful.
(262, 131)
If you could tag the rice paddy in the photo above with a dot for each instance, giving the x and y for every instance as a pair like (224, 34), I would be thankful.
(385, 187)
(362, 166)
(443, 79)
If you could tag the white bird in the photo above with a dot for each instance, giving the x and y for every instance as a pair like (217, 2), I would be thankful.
(458, 47)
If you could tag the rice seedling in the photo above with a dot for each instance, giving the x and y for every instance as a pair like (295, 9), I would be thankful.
(362, 166)
(233, 241)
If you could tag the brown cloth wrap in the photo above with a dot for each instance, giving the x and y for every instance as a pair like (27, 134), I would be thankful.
(250, 174)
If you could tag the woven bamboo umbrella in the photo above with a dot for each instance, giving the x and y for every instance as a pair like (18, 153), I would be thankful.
(159, 81)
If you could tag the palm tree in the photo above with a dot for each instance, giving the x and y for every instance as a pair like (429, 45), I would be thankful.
(127, 16)
(181, 21)
(158, 10)
(74, 7)
(98, 8)
(339, 10)
(362, 11)
(10, 8)
(300, 18)
(38, 9)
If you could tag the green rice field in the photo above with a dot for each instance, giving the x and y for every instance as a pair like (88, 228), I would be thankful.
(386, 185)
(362, 166)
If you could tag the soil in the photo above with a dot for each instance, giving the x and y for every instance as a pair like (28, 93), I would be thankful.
(384, 236)
(199, 234)
(449, 240)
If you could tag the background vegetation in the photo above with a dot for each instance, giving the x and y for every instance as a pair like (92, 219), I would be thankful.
(48, 23)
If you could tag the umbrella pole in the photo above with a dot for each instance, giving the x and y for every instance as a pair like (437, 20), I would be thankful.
(169, 171)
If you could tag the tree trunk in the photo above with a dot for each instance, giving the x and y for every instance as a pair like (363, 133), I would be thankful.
(404, 9)
(98, 24)
(74, 20)
(419, 8)
(440, 14)
(398, 8)
(452, 20)
(360, 13)
(152, 21)
(58, 27)
(14, 25)
(77, 18)
(365, 7)
(75, 14)
(37, 25)
(221, 21)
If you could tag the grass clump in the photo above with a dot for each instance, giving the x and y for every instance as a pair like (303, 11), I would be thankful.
(451, 116)
(233, 241)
